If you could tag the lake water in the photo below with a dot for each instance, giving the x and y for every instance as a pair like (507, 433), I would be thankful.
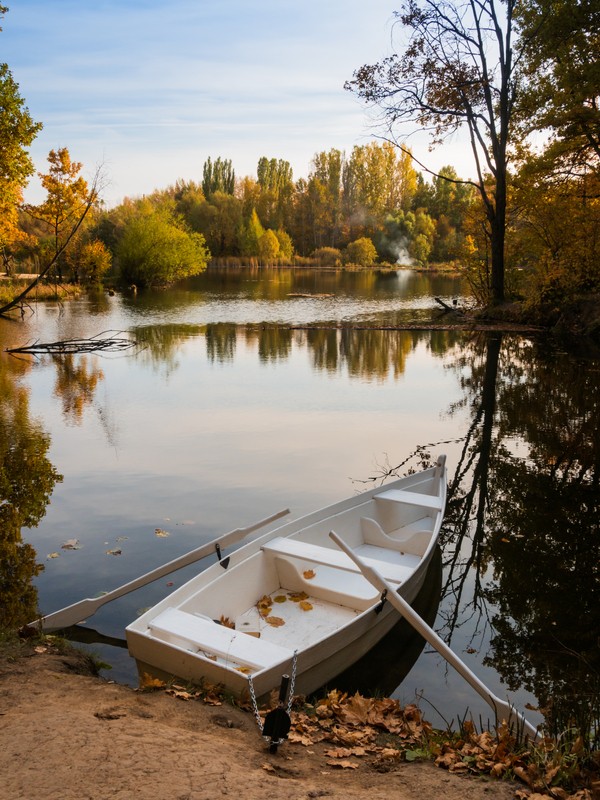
(254, 390)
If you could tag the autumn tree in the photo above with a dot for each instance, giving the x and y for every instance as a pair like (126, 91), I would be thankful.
(268, 247)
(67, 195)
(361, 252)
(17, 132)
(562, 94)
(458, 71)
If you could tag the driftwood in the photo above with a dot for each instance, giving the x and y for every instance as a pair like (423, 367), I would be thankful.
(453, 308)
(103, 343)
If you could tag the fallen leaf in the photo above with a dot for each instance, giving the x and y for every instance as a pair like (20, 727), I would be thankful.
(244, 670)
(281, 598)
(212, 699)
(160, 533)
(305, 605)
(180, 694)
(296, 597)
(276, 622)
(71, 544)
(226, 622)
(309, 574)
(53, 555)
(41, 649)
(148, 682)
(342, 764)
(115, 552)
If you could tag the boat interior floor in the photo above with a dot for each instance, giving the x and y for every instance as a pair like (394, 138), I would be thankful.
(296, 620)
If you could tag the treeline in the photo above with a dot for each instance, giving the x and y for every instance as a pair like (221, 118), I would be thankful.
(527, 228)
(369, 207)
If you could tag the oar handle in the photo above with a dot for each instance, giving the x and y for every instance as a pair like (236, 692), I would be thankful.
(411, 616)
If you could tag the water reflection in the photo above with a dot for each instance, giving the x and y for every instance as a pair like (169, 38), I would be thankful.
(363, 352)
(27, 479)
(521, 546)
(526, 526)
(77, 379)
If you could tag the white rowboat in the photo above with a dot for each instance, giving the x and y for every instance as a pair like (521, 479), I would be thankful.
(299, 605)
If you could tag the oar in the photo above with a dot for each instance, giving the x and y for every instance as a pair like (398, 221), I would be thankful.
(499, 706)
(83, 609)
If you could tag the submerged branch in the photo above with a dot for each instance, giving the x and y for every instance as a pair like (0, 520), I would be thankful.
(100, 343)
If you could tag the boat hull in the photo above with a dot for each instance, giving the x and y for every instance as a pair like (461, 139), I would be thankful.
(296, 559)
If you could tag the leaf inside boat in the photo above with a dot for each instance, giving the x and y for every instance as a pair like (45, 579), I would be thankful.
(264, 605)
(296, 597)
(305, 605)
(280, 598)
(276, 622)
(226, 622)
(309, 574)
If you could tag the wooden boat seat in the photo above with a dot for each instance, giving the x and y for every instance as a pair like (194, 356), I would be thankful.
(408, 539)
(429, 501)
(215, 639)
(397, 569)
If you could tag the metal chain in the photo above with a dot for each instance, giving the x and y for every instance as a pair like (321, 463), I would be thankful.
(292, 682)
(259, 721)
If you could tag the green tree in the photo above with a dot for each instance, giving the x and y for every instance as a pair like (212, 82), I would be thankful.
(155, 248)
(459, 70)
(218, 176)
(362, 252)
(17, 132)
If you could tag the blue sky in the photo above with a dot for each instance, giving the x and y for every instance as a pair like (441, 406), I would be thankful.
(151, 89)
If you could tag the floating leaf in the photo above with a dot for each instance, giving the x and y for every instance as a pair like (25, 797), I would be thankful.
(276, 622)
(114, 552)
(160, 533)
(305, 605)
(53, 555)
(71, 544)
(281, 598)
(121, 538)
(309, 574)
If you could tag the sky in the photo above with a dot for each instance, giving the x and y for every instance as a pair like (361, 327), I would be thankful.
(149, 90)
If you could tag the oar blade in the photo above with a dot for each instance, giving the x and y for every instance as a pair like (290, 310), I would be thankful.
(68, 616)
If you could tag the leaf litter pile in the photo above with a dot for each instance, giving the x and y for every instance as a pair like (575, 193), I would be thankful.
(378, 734)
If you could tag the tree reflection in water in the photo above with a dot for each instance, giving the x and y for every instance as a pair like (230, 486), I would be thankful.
(526, 526)
(27, 479)
(521, 536)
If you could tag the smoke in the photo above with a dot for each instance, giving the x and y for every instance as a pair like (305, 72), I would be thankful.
(397, 248)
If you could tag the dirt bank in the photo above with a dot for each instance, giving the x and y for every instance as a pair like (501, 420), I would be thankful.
(71, 736)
